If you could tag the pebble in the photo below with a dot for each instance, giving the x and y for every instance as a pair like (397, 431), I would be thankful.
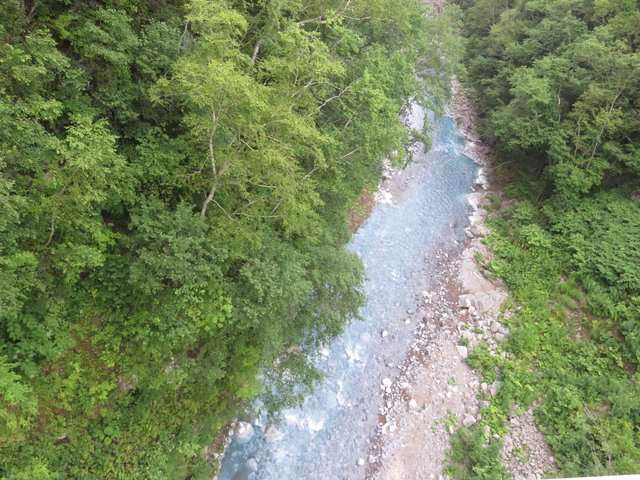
(462, 351)
(360, 462)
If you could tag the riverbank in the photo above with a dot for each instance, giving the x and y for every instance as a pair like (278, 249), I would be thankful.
(437, 392)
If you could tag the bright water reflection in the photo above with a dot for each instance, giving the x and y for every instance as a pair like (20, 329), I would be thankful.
(324, 438)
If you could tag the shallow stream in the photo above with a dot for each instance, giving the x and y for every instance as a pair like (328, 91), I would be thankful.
(325, 438)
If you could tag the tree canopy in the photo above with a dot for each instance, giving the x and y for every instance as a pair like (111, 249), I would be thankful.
(175, 178)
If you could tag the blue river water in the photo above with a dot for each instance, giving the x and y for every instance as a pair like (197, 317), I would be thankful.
(325, 437)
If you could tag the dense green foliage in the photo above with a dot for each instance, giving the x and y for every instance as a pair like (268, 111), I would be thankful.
(175, 178)
(558, 85)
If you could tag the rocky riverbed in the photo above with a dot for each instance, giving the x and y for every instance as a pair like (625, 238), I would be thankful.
(437, 392)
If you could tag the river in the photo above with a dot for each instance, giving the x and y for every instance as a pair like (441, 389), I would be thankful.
(334, 428)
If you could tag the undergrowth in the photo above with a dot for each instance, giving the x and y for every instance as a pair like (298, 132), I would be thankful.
(574, 341)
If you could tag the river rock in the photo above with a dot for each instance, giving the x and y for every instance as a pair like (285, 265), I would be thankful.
(272, 434)
(495, 326)
(464, 301)
(468, 420)
(252, 465)
(243, 432)
(467, 335)
(479, 230)
(508, 444)
(493, 389)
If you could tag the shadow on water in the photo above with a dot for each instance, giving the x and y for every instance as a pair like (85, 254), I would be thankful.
(325, 437)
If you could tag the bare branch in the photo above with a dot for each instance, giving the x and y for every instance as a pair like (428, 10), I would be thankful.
(53, 228)
(207, 201)
(318, 20)
(256, 49)
(310, 173)
(214, 170)
(225, 212)
(350, 153)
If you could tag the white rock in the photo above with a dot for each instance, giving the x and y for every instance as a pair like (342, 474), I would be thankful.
(252, 465)
(413, 404)
(272, 434)
(468, 420)
(386, 382)
(384, 333)
(462, 351)
(361, 461)
(243, 432)
(464, 301)
(508, 444)
(493, 388)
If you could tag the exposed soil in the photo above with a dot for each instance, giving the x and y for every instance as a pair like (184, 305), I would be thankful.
(366, 204)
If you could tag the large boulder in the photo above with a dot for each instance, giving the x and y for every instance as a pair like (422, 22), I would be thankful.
(243, 432)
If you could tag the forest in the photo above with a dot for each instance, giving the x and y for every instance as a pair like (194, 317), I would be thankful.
(175, 183)
(557, 90)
